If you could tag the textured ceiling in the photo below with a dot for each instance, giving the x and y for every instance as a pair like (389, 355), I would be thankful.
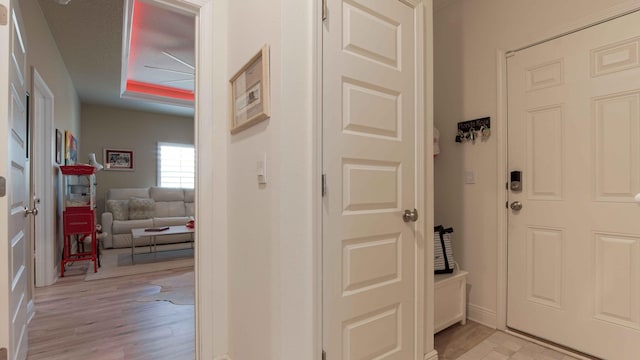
(89, 36)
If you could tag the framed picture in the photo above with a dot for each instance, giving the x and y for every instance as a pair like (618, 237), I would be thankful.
(250, 92)
(118, 159)
(58, 146)
(71, 149)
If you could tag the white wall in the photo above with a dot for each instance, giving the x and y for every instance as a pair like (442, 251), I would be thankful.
(270, 232)
(467, 36)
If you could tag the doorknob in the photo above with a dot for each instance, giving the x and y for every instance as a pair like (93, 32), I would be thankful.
(410, 215)
(28, 212)
(516, 206)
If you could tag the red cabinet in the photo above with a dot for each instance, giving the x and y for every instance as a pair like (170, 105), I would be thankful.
(79, 215)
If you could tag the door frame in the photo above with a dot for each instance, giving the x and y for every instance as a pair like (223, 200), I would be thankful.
(501, 132)
(42, 179)
(424, 285)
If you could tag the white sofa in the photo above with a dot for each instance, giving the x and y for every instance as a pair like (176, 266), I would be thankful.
(131, 208)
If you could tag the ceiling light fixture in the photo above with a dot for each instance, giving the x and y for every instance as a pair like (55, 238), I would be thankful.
(62, 2)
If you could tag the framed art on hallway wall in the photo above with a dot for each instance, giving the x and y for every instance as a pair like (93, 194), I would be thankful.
(250, 92)
(71, 149)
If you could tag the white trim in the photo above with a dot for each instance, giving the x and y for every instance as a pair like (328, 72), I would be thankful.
(432, 355)
(42, 176)
(428, 183)
(211, 201)
(318, 171)
(222, 357)
(421, 225)
(482, 315)
(501, 127)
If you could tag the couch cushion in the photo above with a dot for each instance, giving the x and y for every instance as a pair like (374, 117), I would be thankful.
(125, 227)
(141, 208)
(119, 209)
(190, 209)
(189, 195)
(125, 194)
(166, 194)
(169, 208)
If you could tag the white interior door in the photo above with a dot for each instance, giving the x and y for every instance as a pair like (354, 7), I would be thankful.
(574, 247)
(17, 246)
(370, 54)
(43, 175)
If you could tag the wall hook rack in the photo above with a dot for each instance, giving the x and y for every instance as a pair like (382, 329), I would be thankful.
(469, 131)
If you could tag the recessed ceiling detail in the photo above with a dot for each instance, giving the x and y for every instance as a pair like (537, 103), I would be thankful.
(158, 54)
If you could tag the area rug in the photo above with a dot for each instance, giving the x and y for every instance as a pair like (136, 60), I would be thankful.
(178, 290)
(117, 262)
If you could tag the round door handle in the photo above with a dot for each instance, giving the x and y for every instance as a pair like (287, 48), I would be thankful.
(410, 215)
(516, 206)
(28, 212)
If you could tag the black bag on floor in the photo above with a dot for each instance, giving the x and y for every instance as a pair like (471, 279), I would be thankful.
(443, 262)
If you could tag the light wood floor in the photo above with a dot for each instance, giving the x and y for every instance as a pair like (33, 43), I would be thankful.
(456, 340)
(102, 319)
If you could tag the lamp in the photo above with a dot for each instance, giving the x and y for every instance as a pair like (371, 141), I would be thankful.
(93, 162)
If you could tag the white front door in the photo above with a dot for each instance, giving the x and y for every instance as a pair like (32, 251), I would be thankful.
(15, 271)
(370, 255)
(574, 247)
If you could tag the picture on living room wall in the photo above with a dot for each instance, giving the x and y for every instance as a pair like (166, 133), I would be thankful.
(250, 92)
(71, 149)
(58, 146)
(118, 159)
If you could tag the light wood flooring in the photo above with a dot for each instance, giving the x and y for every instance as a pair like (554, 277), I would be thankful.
(104, 320)
(453, 342)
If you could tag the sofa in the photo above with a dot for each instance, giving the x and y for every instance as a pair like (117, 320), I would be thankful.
(131, 208)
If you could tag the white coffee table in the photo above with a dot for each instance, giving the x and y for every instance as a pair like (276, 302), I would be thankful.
(172, 230)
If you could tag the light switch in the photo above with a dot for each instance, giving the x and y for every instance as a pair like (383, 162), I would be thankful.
(469, 177)
(261, 169)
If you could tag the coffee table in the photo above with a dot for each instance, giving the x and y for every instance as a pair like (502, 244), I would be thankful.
(172, 230)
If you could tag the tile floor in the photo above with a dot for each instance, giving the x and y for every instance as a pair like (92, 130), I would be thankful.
(502, 346)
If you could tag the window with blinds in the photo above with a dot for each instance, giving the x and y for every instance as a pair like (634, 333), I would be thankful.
(176, 165)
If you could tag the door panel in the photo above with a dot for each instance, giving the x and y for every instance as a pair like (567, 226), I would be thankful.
(370, 120)
(574, 131)
(17, 194)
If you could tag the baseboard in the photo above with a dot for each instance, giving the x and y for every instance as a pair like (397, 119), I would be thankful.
(222, 357)
(482, 315)
(432, 355)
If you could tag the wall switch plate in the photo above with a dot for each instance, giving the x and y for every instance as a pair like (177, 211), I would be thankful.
(261, 169)
(469, 177)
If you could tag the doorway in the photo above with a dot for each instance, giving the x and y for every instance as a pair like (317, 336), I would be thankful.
(574, 238)
(44, 174)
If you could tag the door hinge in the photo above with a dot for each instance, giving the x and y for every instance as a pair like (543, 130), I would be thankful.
(506, 186)
(324, 10)
(506, 204)
(3, 186)
(324, 184)
(324, 355)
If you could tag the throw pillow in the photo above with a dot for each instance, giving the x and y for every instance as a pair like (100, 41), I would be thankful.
(140, 209)
(119, 209)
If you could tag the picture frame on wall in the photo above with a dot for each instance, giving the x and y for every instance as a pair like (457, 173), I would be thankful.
(250, 98)
(58, 147)
(71, 149)
(118, 159)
